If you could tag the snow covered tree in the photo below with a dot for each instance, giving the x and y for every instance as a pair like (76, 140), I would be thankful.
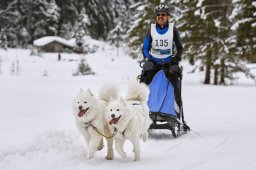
(68, 16)
(83, 68)
(59, 17)
(23, 37)
(9, 21)
(122, 20)
(192, 30)
(80, 33)
(101, 18)
(207, 36)
(115, 35)
(3, 40)
(244, 18)
(226, 62)
(35, 17)
(52, 16)
(3, 45)
(225, 42)
(209, 41)
(44, 18)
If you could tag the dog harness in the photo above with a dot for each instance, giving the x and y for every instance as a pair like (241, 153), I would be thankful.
(89, 124)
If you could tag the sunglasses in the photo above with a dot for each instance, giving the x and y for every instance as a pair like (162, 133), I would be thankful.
(163, 15)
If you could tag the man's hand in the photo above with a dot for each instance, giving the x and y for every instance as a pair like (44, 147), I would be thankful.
(175, 60)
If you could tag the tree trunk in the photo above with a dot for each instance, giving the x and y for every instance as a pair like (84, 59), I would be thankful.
(216, 74)
(208, 68)
(222, 71)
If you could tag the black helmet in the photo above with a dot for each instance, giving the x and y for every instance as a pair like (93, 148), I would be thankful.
(162, 8)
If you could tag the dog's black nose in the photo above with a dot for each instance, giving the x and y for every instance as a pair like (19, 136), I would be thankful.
(80, 107)
(113, 115)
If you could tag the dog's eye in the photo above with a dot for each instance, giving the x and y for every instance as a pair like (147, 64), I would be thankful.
(78, 102)
(111, 110)
(85, 102)
(117, 109)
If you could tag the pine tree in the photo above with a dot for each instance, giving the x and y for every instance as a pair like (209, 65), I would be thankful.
(224, 45)
(208, 37)
(198, 32)
(245, 26)
(44, 19)
(192, 29)
(68, 17)
(9, 21)
(101, 18)
(84, 68)
(35, 17)
(3, 40)
(115, 35)
(60, 17)
(80, 33)
(122, 20)
(23, 37)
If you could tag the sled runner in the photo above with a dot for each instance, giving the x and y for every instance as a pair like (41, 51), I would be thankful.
(166, 110)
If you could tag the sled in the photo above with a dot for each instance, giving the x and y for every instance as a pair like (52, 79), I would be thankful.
(164, 113)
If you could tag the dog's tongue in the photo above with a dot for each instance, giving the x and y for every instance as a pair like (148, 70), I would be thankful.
(113, 121)
(81, 113)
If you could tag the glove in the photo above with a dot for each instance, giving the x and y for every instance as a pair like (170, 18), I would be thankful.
(175, 60)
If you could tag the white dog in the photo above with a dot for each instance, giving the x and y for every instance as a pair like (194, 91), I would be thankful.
(91, 121)
(129, 119)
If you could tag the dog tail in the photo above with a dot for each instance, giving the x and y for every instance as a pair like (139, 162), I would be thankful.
(137, 91)
(107, 92)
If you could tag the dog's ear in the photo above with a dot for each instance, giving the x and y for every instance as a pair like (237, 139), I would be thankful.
(89, 91)
(122, 100)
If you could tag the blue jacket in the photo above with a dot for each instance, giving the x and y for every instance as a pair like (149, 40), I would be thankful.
(176, 41)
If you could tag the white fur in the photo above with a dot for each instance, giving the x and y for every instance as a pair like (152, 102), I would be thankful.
(134, 121)
(137, 91)
(108, 91)
(94, 116)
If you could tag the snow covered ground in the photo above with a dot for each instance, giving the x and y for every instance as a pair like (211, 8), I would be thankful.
(37, 129)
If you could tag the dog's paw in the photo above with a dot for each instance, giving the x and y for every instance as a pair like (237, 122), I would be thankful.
(145, 137)
(137, 159)
(89, 156)
(100, 147)
(109, 157)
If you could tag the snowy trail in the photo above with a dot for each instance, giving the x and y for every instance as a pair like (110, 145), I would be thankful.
(209, 145)
(37, 128)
